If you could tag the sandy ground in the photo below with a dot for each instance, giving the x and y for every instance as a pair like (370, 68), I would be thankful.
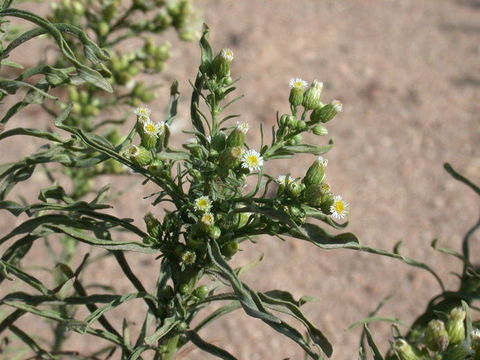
(408, 75)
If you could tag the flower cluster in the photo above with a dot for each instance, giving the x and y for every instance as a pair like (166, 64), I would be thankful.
(440, 339)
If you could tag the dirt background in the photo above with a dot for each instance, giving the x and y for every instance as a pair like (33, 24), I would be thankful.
(408, 75)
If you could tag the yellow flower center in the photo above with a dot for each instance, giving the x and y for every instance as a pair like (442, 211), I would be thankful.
(340, 207)
(253, 160)
(150, 128)
(202, 203)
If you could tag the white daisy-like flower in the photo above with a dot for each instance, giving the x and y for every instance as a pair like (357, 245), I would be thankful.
(285, 180)
(337, 105)
(227, 54)
(321, 160)
(151, 128)
(143, 112)
(252, 160)
(339, 208)
(203, 203)
(208, 219)
(243, 127)
(298, 83)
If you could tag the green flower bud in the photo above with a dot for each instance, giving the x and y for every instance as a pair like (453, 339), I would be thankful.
(313, 195)
(455, 325)
(103, 28)
(219, 141)
(301, 125)
(436, 336)
(291, 121)
(230, 158)
(316, 172)
(109, 12)
(327, 112)
(154, 227)
(326, 203)
(311, 98)
(320, 130)
(166, 293)
(229, 249)
(139, 155)
(283, 120)
(238, 135)
(222, 62)
(297, 87)
(156, 167)
(458, 352)
(405, 351)
(78, 8)
(201, 292)
(215, 232)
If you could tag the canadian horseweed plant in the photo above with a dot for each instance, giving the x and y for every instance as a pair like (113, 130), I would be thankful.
(217, 193)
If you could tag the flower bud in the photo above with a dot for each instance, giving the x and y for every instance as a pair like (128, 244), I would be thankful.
(219, 141)
(313, 195)
(201, 292)
(320, 130)
(327, 112)
(455, 325)
(316, 172)
(404, 350)
(436, 336)
(222, 62)
(139, 155)
(230, 248)
(311, 98)
(458, 352)
(155, 167)
(297, 87)
(326, 203)
(231, 158)
(154, 227)
(103, 28)
(238, 135)
(214, 232)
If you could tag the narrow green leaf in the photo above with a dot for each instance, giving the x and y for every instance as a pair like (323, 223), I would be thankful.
(209, 348)
(371, 342)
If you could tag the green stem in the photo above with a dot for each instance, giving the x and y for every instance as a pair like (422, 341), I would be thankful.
(171, 348)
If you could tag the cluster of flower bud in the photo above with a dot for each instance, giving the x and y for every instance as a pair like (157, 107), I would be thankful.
(309, 97)
(84, 104)
(442, 340)
(153, 138)
(314, 191)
